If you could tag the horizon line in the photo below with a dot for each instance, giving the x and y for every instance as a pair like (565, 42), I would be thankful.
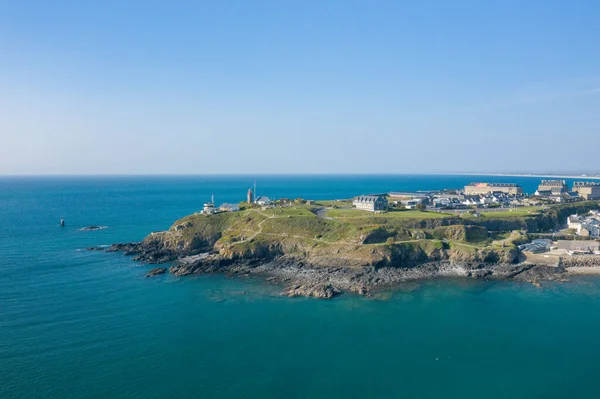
(499, 174)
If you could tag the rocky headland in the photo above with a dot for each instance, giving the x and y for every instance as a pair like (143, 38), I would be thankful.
(321, 257)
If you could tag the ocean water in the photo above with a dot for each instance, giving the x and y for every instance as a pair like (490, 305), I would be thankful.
(79, 324)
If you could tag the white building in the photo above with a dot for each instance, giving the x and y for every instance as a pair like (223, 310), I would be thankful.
(573, 222)
(411, 203)
(209, 208)
(372, 203)
(262, 200)
(588, 227)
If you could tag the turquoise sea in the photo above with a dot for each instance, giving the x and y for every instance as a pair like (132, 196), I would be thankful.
(79, 324)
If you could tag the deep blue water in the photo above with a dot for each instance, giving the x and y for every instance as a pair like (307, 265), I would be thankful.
(89, 325)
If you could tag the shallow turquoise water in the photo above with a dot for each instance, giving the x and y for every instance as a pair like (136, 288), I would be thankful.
(87, 324)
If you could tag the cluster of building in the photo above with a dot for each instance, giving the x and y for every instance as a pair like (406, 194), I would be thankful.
(483, 195)
(439, 200)
(553, 190)
(210, 208)
(558, 191)
(585, 226)
(479, 195)
(261, 200)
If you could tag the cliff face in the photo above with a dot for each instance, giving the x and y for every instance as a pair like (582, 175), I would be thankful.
(383, 241)
(254, 237)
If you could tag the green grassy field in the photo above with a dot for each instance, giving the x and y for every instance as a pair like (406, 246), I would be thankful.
(298, 210)
(357, 214)
(333, 203)
(517, 212)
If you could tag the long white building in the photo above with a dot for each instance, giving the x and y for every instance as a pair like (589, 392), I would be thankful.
(372, 203)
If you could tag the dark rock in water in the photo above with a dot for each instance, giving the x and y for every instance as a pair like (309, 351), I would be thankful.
(92, 228)
(541, 273)
(144, 252)
(303, 278)
(129, 247)
(156, 271)
(322, 291)
(96, 249)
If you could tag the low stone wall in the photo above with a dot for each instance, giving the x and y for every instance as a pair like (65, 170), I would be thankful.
(581, 261)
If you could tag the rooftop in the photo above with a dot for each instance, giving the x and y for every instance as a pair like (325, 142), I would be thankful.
(367, 198)
(553, 183)
(493, 185)
(586, 184)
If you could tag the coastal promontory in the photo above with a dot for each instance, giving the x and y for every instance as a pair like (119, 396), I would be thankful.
(321, 250)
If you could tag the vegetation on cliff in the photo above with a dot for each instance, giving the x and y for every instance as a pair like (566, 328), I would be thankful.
(320, 253)
(347, 238)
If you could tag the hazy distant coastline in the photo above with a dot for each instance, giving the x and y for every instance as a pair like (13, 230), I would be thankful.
(555, 176)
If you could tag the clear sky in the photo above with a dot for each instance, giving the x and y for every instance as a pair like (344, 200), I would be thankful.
(144, 87)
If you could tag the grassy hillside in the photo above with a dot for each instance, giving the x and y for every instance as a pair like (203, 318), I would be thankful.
(348, 237)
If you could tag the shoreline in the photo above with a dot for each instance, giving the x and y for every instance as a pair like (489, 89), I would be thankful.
(297, 277)
(290, 249)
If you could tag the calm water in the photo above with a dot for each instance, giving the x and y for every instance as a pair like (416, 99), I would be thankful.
(88, 325)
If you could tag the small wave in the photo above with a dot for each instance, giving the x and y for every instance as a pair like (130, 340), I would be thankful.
(92, 228)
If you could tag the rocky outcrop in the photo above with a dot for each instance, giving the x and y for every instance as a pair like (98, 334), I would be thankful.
(321, 291)
(537, 274)
(96, 249)
(152, 252)
(466, 233)
(156, 271)
(302, 279)
(462, 253)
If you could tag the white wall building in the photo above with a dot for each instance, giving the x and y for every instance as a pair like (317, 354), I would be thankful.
(372, 203)
(262, 200)
(588, 227)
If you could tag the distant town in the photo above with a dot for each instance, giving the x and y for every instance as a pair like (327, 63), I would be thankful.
(473, 196)
(474, 199)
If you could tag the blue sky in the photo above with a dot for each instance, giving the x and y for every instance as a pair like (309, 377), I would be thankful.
(299, 87)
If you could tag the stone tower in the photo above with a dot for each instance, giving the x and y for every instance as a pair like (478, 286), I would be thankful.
(250, 197)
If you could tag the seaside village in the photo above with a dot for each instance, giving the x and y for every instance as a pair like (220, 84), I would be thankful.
(476, 199)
